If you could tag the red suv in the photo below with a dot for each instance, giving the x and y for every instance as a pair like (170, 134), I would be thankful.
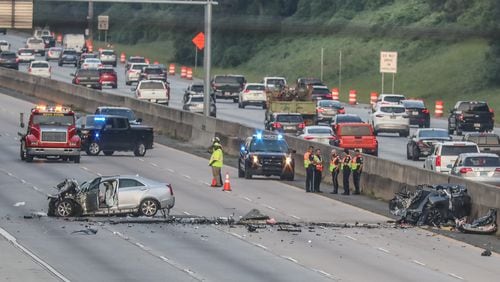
(356, 136)
(108, 77)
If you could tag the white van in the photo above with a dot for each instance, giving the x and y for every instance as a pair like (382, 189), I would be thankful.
(74, 41)
(272, 82)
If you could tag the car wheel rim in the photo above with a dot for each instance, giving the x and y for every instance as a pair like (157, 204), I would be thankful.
(64, 209)
(142, 149)
(149, 208)
(94, 148)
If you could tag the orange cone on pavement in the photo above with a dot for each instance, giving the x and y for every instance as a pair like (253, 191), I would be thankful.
(227, 185)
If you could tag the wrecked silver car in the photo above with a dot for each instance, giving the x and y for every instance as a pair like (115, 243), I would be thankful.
(111, 195)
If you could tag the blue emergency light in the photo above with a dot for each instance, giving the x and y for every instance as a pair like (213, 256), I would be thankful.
(259, 135)
(280, 136)
(99, 118)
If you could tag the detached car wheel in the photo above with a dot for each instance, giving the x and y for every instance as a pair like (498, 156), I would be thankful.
(140, 149)
(93, 149)
(64, 208)
(149, 207)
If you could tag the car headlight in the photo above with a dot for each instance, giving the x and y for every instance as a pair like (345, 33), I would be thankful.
(288, 160)
(255, 159)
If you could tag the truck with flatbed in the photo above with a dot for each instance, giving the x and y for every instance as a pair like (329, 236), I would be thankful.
(487, 142)
(50, 134)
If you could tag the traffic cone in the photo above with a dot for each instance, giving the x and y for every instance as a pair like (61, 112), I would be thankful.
(214, 183)
(227, 185)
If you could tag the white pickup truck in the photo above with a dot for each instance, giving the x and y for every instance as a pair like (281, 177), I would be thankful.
(444, 155)
(155, 91)
(36, 44)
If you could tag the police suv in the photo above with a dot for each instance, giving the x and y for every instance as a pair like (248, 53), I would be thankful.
(263, 154)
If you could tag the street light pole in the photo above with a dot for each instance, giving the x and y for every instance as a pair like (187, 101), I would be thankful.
(207, 53)
(90, 18)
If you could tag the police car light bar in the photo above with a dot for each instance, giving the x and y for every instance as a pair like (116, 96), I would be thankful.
(52, 109)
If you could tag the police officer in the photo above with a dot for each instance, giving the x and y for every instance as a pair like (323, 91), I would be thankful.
(334, 169)
(216, 162)
(308, 165)
(356, 168)
(346, 171)
(318, 170)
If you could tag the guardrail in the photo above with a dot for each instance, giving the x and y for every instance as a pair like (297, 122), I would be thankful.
(381, 178)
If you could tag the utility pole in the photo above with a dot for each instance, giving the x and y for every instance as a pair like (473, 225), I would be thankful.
(207, 62)
(90, 18)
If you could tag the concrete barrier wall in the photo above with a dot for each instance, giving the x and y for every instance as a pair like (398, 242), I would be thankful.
(381, 178)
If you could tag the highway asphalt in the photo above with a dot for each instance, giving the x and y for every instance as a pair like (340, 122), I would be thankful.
(185, 252)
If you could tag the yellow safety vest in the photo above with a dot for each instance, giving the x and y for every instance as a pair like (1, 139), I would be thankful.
(354, 164)
(318, 163)
(333, 166)
(217, 157)
(307, 162)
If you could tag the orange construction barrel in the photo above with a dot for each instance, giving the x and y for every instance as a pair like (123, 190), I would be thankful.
(438, 111)
(171, 69)
(189, 73)
(373, 98)
(353, 97)
(183, 72)
(122, 58)
(335, 94)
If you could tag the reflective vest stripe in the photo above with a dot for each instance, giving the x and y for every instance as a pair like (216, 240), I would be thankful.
(333, 166)
(307, 162)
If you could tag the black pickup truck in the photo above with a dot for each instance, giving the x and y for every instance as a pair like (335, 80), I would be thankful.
(228, 86)
(470, 116)
(487, 142)
(108, 133)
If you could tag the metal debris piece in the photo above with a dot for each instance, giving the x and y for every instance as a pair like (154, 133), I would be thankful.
(254, 214)
(289, 228)
(88, 231)
(251, 228)
(486, 253)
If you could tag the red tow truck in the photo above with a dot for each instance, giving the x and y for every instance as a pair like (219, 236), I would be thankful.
(51, 133)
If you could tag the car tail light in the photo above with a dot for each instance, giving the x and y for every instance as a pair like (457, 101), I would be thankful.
(341, 111)
(308, 137)
(465, 170)
(497, 170)
(302, 125)
(320, 110)
(170, 189)
(425, 111)
(438, 161)
(276, 125)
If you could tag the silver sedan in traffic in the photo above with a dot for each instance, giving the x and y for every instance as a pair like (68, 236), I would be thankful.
(481, 167)
(111, 195)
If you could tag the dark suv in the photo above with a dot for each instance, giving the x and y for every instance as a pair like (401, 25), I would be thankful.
(9, 60)
(228, 86)
(266, 155)
(418, 113)
(153, 73)
(68, 56)
(470, 116)
(285, 123)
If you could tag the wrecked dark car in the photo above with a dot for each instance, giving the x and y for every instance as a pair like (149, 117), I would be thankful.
(433, 205)
(441, 205)
(112, 195)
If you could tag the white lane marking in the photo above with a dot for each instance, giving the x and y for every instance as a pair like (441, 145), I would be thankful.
(35, 188)
(455, 276)
(23, 181)
(322, 272)
(294, 216)
(141, 159)
(84, 168)
(260, 246)
(290, 259)
(186, 213)
(9, 174)
(164, 258)
(18, 204)
(141, 246)
(248, 199)
(206, 183)
(170, 170)
(236, 235)
(383, 250)
(153, 164)
(419, 263)
(98, 174)
(42, 263)
(269, 207)
(186, 176)
(350, 237)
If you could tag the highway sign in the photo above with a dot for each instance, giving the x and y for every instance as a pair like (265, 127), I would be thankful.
(199, 41)
(16, 14)
(103, 22)
(388, 62)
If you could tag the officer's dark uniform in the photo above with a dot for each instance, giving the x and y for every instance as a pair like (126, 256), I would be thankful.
(346, 172)
(308, 165)
(335, 170)
(357, 168)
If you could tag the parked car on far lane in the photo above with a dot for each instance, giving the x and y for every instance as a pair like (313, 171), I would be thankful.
(481, 167)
